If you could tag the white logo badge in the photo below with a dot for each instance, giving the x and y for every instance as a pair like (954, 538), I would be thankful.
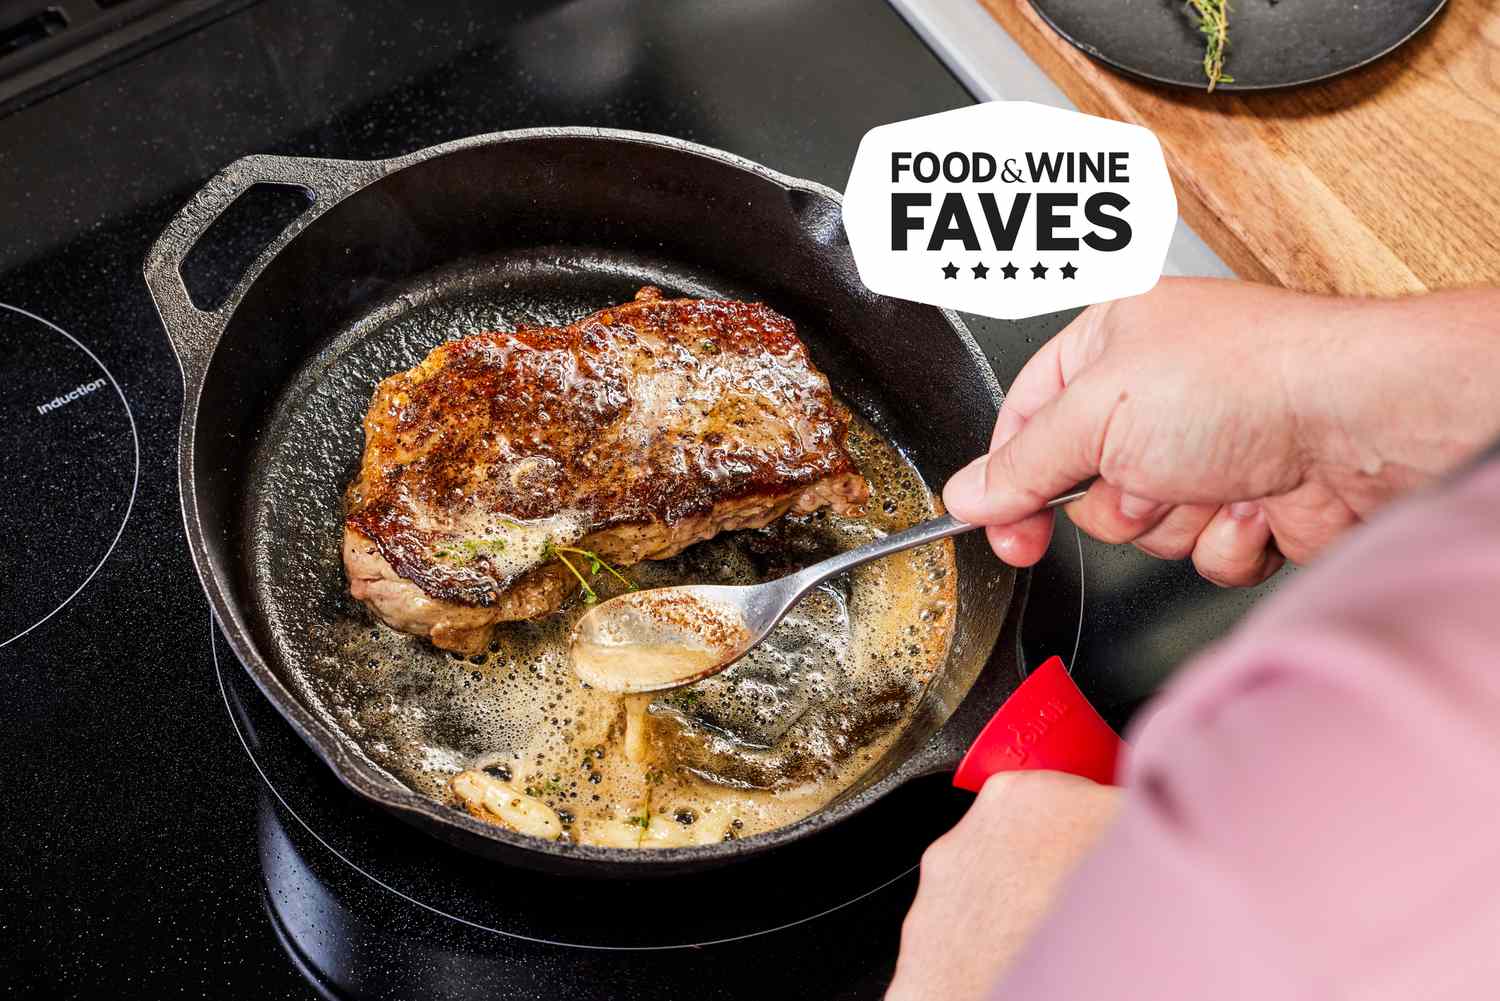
(1009, 209)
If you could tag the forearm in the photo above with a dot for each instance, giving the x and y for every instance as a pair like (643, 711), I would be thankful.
(1395, 393)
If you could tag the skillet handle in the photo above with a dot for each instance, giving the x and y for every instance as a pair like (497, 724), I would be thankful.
(1047, 723)
(194, 332)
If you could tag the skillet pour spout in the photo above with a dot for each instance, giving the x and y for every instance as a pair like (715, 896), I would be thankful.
(565, 217)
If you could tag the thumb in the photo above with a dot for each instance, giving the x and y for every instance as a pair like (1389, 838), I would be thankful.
(1056, 449)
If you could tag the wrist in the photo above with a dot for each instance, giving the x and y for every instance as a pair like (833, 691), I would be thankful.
(1393, 393)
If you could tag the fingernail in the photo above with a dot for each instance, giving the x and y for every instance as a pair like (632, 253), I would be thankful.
(1136, 508)
(1244, 510)
(966, 489)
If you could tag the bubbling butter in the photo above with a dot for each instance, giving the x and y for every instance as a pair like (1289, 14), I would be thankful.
(766, 742)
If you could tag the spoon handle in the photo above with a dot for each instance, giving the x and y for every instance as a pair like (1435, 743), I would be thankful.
(918, 535)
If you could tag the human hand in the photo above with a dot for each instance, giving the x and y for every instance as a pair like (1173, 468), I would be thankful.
(987, 883)
(1234, 423)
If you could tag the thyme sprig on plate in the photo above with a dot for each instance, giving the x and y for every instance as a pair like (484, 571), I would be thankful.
(1213, 22)
(596, 564)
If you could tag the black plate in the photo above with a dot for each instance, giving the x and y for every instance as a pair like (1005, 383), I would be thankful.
(1272, 43)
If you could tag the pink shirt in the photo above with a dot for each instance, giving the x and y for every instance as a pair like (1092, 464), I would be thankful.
(1313, 809)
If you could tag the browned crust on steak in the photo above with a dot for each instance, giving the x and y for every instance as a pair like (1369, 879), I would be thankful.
(655, 424)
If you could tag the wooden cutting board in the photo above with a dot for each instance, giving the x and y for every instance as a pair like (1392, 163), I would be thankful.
(1382, 181)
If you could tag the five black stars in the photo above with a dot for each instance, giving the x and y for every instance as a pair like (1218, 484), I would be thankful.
(981, 270)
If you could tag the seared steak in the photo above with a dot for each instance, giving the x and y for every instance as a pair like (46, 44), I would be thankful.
(632, 433)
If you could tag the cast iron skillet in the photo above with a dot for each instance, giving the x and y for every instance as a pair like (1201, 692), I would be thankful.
(558, 221)
(1272, 43)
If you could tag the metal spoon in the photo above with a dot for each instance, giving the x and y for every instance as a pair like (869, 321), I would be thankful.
(666, 637)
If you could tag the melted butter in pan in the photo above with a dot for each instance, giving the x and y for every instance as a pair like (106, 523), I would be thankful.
(763, 744)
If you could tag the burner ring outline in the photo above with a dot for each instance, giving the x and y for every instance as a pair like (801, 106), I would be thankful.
(135, 479)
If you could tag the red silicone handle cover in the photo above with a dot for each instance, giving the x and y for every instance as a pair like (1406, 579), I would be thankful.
(1048, 724)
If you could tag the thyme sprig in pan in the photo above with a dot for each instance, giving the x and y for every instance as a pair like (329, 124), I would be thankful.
(1213, 22)
(596, 564)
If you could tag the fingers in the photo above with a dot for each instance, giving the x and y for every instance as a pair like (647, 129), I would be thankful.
(1111, 515)
(1054, 450)
(1230, 545)
(1048, 372)
(1234, 549)
(1175, 535)
(1051, 369)
(1308, 520)
(1039, 383)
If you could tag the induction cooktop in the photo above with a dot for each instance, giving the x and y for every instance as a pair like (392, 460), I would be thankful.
(168, 834)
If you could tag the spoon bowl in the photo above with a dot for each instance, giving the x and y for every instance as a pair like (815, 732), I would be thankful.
(666, 637)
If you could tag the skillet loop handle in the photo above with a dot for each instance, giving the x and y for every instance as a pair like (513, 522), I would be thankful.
(195, 332)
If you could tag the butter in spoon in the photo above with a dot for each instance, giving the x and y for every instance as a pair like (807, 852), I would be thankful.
(646, 641)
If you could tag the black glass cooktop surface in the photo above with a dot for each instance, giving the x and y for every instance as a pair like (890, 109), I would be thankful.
(167, 834)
